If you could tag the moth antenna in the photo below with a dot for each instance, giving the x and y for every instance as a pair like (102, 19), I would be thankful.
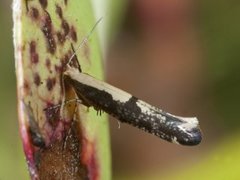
(85, 39)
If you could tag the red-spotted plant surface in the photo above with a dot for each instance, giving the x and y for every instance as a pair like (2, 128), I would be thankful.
(60, 142)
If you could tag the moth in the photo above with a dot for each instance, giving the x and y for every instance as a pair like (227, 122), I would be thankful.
(129, 109)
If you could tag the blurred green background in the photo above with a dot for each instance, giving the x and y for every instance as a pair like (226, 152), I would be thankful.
(179, 55)
(12, 165)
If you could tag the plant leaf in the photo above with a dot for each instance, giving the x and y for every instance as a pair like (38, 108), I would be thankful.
(66, 144)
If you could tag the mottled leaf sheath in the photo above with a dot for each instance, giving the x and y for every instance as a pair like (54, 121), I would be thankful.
(129, 109)
(57, 145)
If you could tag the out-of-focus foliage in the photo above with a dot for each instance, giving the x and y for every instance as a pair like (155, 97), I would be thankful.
(115, 16)
(220, 39)
(222, 163)
(220, 24)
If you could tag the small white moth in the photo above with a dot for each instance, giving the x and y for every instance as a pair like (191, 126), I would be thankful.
(129, 109)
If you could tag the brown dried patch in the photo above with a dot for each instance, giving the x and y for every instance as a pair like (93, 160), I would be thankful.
(43, 3)
(47, 31)
(65, 1)
(33, 54)
(62, 160)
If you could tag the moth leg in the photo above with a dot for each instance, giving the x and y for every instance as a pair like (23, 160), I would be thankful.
(64, 103)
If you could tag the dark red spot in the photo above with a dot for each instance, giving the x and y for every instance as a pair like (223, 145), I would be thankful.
(48, 19)
(50, 83)
(59, 68)
(34, 13)
(37, 79)
(65, 27)
(47, 31)
(26, 86)
(32, 46)
(66, 58)
(33, 54)
(34, 58)
(48, 63)
(61, 37)
(43, 3)
(73, 34)
(59, 11)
